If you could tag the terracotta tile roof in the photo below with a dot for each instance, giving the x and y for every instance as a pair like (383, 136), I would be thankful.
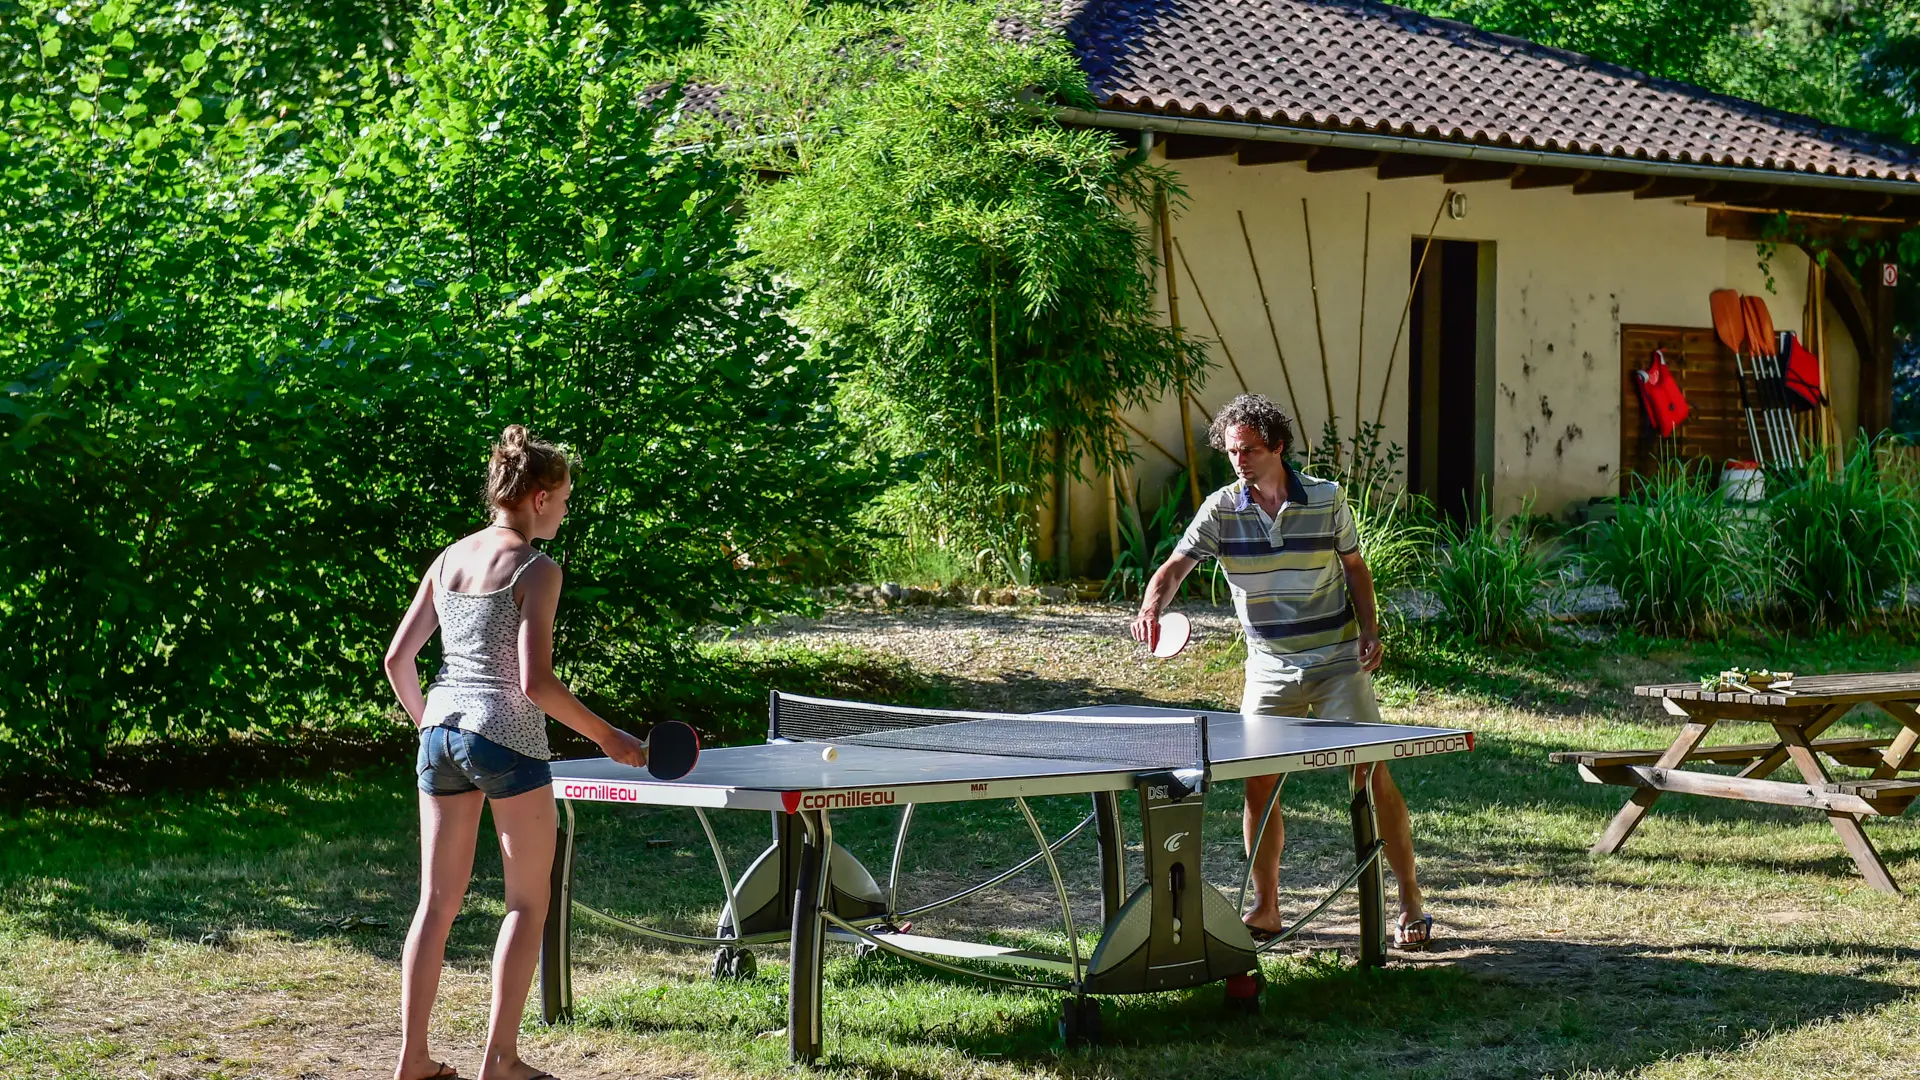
(1355, 65)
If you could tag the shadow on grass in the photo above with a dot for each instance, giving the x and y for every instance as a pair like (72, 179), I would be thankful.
(293, 855)
(1526, 1006)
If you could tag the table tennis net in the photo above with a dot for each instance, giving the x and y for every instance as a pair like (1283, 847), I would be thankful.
(1144, 742)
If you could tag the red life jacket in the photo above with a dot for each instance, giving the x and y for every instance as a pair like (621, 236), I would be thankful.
(1660, 393)
(1803, 376)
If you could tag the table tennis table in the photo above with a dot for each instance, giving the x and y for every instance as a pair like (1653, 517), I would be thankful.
(1171, 931)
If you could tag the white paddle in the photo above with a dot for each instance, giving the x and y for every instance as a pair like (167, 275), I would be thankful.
(1175, 631)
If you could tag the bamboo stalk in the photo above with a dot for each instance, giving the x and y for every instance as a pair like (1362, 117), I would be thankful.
(1153, 442)
(1179, 344)
(1271, 329)
(1360, 335)
(1319, 328)
(993, 364)
(1811, 328)
(1380, 411)
(1830, 428)
(1123, 473)
(1208, 310)
(1113, 496)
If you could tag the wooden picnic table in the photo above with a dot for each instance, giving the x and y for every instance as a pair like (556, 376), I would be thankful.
(1798, 713)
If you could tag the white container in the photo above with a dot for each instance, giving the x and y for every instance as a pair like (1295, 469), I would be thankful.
(1742, 481)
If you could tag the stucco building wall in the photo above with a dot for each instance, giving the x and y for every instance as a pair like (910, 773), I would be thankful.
(1569, 270)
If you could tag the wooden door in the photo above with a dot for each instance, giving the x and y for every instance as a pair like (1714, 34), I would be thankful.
(1443, 414)
(1716, 430)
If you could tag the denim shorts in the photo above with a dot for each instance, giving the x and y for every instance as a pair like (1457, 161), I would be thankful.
(454, 762)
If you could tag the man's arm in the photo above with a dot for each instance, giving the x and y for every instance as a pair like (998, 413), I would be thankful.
(1365, 608)
(1160, 590)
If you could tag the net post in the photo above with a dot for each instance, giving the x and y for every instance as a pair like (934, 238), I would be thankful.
(1200, 721)
(556, 937)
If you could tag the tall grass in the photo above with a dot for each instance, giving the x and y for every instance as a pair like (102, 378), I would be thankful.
(1682, 558)
(1397, 535)
(1842, 539)
(1145, 544)
(1490, 577)
(917, 561)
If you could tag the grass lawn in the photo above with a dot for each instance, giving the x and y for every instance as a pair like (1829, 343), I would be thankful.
(254, 930)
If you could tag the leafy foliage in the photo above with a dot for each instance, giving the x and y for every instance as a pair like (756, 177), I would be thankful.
(1397, 536)
(1844, 61)
(1841, 540)
(1682, 557)
(1490, 578)
(1147, 540)
(252, 365)
(983, 266)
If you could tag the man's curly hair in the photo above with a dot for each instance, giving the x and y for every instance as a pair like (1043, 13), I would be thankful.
(1260, 414)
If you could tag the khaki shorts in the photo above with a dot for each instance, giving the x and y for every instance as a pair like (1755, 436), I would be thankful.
(1339, 697)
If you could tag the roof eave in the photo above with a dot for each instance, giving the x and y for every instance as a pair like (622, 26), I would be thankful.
(1257, 132)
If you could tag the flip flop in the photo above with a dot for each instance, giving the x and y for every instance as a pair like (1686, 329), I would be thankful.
(1404, 935)
(447, 1072)
(1260, 934)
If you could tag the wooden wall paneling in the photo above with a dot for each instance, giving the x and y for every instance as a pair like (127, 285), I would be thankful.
(1714, 433)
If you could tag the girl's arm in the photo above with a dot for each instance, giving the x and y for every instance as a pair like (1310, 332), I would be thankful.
(540, 599)
(419, 623)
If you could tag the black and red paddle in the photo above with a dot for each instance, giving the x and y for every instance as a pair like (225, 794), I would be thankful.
(672, 750)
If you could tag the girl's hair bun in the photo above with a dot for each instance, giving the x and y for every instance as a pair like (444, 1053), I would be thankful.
(522, 465)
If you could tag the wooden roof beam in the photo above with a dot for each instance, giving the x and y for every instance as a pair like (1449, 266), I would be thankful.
(1468, 171)
(1675, 187)
(1401, 166)
(1606, 183)
(1738, 224)
(1334, 158)
(1540, 176)
(1273, 153)
(1728, 193)
(1184, 147)
(1816, 201)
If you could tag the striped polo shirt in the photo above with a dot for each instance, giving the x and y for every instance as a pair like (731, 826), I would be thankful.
(1289, 586)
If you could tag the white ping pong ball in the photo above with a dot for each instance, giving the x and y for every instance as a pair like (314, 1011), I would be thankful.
(831, 753)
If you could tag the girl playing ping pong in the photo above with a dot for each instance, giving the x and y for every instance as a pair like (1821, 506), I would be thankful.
(483, 737)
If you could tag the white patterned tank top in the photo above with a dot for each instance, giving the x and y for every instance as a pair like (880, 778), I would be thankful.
(478, 688)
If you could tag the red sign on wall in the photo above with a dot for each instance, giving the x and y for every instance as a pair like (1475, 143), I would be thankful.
(1889, 274)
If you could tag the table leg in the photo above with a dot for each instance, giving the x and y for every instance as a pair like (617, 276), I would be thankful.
(804, 1029)
(1900, 752)
(1847, 825)
(1628, 819)
(556, 938)
(1372, 884)
(1113, 854)
(1763, 767)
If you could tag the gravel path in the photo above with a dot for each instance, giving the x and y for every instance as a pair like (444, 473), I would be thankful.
(1031, 657)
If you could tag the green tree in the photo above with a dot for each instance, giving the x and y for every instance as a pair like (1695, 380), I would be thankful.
(1675, 39)
(986, 268)
(251, 361)
(516, 217)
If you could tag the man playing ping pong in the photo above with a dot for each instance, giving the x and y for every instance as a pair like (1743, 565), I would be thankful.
(1305, 598)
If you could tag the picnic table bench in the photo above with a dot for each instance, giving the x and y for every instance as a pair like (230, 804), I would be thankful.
(1799, 713)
